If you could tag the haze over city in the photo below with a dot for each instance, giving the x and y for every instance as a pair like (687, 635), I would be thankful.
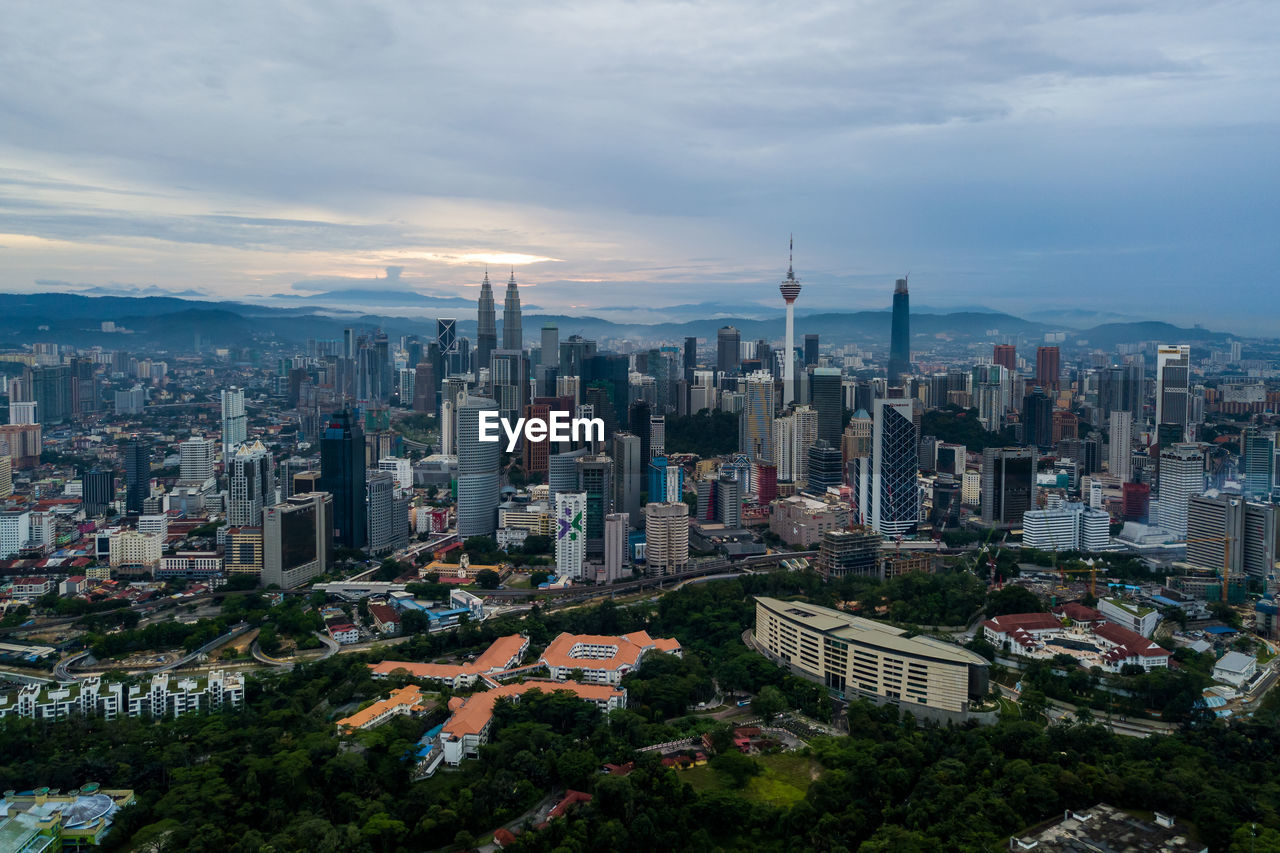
(1110, 158)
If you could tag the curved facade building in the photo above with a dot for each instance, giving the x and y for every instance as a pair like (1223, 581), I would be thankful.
(478, 463)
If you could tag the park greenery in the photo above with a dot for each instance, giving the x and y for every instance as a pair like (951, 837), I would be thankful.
(276, 775)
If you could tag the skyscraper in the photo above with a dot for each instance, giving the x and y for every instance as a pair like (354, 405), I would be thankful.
(1037, 419)
(810, 350)
(1008, 485)
(690, 360)
(728, 349)
(1048, 368)
(570, 533)
(486, 326)
(895, 494)
(790, 288)
(342, 470)
(252, 485)
(900, 335)
(387, 513)
(1181, 478)
(1258, 463)
(234, 422)
(825, 469)
(666, 537)
(478, 463)
(97, 489)
(509, 381)
(512, 334)
(550, 345)
(1120, 446)
(595, 480)
(856, 452)
(297, 540)
(137, 474)
(1006, 356)
(447, 340)
(828, 400)
(1173, 386)
(627, 475)
(755, 431)
(196, 458)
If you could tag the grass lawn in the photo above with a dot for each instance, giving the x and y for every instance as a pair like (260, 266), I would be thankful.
(784, 781)
(1011, 707)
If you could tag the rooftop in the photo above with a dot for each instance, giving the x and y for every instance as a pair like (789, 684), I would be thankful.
(1106, 828)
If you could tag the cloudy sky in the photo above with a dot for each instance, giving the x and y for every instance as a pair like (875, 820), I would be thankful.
(1112, 156)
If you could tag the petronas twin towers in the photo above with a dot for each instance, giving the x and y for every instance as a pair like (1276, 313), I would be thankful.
(487, 321)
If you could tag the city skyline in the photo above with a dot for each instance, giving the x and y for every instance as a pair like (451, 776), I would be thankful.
(1004, 166)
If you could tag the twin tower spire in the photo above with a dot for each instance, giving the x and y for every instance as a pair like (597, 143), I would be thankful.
(487, 322)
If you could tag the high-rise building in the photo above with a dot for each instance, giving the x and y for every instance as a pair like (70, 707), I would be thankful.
(1120, 446)
(895, 494)
(1008, 485)
(252, 485)
(690, 359)
(856, 448)
(1006, 356)
(1173, 386)
(571, 534)
(486, 326)
(616, 528)
(296, 540)
(790, 288)
(793, 435)
(810, 350)
(828, 400)
(728, 349)
(50, 389)
(550, 345)
(627, 476)
(388, 513)
(23, 412)
(666, 528)
(235, 424)
(849, 553)
(425, 388)
(1258, 463)
(478, 464)
(1181, 478)
(666, 482)
(342, 470)
(1037, 419)
(512, 334)
(97, 490)
(137, 474)
(825, 469)
(509, 382)
(900, 335)
(756, 421)
(595, 480)
(1048, 368)
(197, 456)
(1216, 520)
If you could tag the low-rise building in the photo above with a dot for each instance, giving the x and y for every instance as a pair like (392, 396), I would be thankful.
(93, 697)
(385, 619)
(406, 701)
(31, 587)
(1106, 828)
(800, 520)
(1142, 618)
(343, 632)
(503, 654)
(47, 820)
(602, 660)
(1235, 668)
(190, 564)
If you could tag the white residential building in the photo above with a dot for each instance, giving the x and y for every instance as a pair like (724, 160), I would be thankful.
(131, 548)
(92, 697)
(15, 532)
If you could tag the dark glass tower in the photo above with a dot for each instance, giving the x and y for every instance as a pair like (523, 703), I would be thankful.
(486, 325)
(900, 335)
(512, 332)
(137, 474)
(342, 475)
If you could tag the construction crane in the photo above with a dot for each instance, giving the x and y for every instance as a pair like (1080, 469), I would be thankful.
(1091, 571)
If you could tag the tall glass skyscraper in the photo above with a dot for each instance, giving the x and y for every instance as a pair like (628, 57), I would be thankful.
(478, 463)
(512, 332)
(486, 325)
(895, 495)
(756, 421)
(342, 475)
(900, 335)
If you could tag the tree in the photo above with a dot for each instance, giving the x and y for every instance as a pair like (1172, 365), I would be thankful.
(768, 703)
(736, 767)
(1013, 599)
(488, 579)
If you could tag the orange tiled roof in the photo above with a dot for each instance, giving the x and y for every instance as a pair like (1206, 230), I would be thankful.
(410, 695)
(494, 658)
(477, 709)
(629, 649)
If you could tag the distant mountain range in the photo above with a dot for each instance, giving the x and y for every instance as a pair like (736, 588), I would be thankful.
(171, 322)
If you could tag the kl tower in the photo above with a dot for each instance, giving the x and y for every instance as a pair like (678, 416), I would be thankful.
(790, 288)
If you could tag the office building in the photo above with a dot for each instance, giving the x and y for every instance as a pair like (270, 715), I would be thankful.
(895, 494)
(1181, 478)
(197, 459)
(1120, 446)
(828, 401)
(1258, 453)
(342, 475)
(728, 350)
(1008, 485)
(949, 459)
(1037, 419)
(512, 334)
(755, 437)
(388, 513)
(571, 534)
(137, 474)
(235, 424)
(23, 412)
(15, 532)
(854, 657)
(1069, 527)
(243, 553)
(793, 435)
(666, 528)
(595, 480)
(810, 350)
(856, 447)
(478, 464)
(49, 387)
(133, 552)
(97, 490)
(790, 288)
(486, 326)
(627, 476)
(1173, 387)
(900, 336)
(825, 468)
(617, 527)
(1216, 521)
(991, 394)
(252, 485)
(799, 520)
(666, 482)
(509, 382)
(1006, 356)
(1048, 369)
(296, 541)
